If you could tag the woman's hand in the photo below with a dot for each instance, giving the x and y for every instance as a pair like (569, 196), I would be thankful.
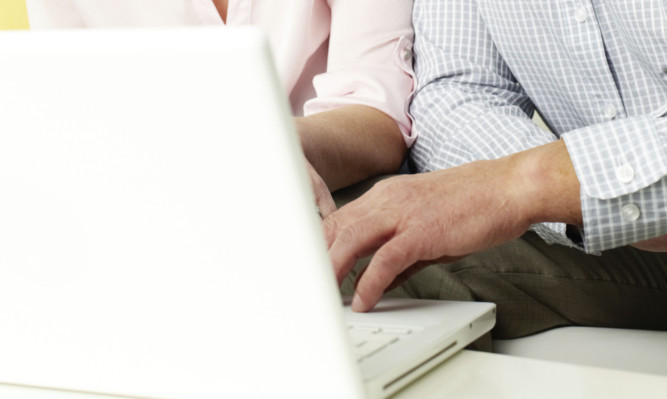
(323, 198)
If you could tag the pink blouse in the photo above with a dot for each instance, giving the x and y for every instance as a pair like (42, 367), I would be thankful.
(328, 53)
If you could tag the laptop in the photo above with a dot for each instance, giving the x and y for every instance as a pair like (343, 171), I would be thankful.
(157, 232)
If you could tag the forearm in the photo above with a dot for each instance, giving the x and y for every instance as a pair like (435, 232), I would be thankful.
(351, 143)
(442, 216)
(351, 128)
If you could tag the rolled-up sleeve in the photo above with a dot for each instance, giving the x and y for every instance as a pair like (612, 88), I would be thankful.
(369, 60)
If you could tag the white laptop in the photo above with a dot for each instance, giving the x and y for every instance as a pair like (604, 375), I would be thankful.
(157, 232)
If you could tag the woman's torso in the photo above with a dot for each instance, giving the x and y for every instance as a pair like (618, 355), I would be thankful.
(297, 29)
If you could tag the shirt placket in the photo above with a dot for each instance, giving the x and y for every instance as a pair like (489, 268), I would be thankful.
(589, 49)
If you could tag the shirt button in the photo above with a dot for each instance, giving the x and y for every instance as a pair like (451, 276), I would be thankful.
(581, 15)
(610, 112)
(625, 173)
(407, 54)
(630, 212)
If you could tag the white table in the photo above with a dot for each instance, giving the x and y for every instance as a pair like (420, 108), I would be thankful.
(479, 375)
(487, 375)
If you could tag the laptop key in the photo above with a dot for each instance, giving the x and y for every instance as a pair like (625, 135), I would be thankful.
(367, 341)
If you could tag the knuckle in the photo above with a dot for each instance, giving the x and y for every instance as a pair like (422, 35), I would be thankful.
(347, 235)
(329, 227)
(386, 184)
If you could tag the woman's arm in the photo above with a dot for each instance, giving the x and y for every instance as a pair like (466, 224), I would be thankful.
(351, 143)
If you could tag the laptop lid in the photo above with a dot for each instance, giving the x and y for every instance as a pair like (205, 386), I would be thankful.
(152, 238)
(157, 233)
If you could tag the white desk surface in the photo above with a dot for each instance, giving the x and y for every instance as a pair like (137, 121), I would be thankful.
(472, 374)
(478, 375)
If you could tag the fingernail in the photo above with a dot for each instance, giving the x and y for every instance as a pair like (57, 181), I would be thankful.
(357, 304)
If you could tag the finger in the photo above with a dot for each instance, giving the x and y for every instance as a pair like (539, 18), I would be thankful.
(323, 198)
(355, 240)
(349, 213)
(392, 259)
(329, 228)
(325, 202)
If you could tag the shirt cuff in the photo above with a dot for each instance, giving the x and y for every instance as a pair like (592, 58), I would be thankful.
(621, 167)
(556, 233)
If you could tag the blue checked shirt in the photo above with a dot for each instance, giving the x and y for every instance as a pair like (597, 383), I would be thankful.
(595, 69)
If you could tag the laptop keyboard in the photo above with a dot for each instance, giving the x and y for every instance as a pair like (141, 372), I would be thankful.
(368, 340)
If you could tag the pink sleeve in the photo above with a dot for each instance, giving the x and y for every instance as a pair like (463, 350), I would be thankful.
(370, 60)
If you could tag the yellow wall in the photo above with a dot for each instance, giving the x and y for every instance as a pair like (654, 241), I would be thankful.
(13, 14)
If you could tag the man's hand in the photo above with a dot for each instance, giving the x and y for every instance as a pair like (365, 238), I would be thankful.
(412, 221)
(415, 220)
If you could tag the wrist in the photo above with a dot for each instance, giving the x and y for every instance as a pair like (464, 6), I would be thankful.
(545, 185)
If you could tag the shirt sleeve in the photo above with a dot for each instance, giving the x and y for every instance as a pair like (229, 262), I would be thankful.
(468, 106)
(369, 60)
(621, 166)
